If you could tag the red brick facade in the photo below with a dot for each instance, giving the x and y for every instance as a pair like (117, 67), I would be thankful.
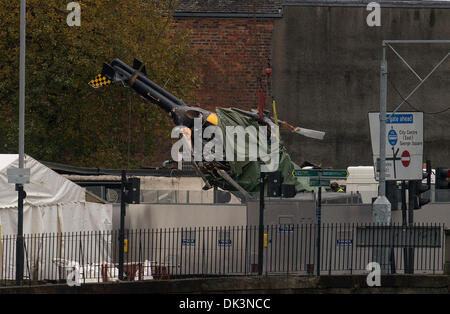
(233, 53)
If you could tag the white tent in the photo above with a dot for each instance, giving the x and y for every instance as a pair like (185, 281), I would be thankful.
(54, 208)
(53, 203)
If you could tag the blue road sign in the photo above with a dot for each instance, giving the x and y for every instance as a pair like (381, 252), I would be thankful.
(392, 137)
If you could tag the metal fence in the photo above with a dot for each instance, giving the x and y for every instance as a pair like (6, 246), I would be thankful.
(211, 251)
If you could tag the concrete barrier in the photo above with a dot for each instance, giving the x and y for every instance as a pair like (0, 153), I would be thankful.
(254, 285)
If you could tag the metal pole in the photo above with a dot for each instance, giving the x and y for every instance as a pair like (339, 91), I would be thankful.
(19, 187)
(403, 203)
(22, 82)
(261, 224)
(381, 213)
(122, 224)
(19, 239)
(402, 41)
(319, 219)
(383, 105)
(412, 201)
(412, 195)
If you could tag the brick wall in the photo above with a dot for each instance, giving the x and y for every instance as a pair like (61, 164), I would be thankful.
(233, 53)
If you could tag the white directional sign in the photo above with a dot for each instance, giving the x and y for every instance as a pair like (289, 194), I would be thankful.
(18, 175)
(404, 144)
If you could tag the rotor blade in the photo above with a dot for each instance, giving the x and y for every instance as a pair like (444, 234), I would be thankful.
(310, 133)
(302, 131)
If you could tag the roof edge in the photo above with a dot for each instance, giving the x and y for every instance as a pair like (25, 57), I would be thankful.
(384, 4)
(227, 15)
(163, 172)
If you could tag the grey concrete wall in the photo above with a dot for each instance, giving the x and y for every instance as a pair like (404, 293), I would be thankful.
(326, 76)
(305, 213)
(148, 216)
(428, 214)
(282, 212)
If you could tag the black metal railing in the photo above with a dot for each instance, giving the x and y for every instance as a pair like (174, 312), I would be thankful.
(225, 251)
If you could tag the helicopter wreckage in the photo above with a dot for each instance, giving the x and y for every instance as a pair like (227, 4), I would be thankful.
(204, 137)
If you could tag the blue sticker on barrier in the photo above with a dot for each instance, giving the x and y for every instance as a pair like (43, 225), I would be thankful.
(224, 242)
(188, 242)
(284, 229)
(344, 242)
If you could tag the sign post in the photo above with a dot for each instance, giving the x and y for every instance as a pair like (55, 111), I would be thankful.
(382, 207)
(316, 179)
(404, 158)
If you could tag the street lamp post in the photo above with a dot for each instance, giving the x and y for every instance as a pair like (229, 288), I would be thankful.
(19, 187)
(382, 207)
(381, 214)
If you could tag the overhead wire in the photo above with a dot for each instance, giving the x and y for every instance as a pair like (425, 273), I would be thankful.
(409, 104)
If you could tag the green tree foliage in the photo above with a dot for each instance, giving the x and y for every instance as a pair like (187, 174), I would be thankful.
(66, 120)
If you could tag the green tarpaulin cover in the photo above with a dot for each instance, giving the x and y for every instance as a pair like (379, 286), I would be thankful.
(247, 173)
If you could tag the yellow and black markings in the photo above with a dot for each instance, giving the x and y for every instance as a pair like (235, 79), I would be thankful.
(99, 81)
